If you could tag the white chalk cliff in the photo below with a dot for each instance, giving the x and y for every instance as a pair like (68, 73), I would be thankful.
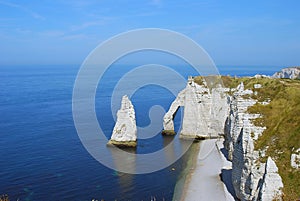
(204, 111)
(208, 113)
(239, 118)
(272, 185)
(291, 73)
(125, 130)
(252, 180)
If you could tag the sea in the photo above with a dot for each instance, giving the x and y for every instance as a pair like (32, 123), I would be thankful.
(41, 155)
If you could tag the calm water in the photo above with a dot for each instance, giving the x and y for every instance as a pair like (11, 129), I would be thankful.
(41, 155)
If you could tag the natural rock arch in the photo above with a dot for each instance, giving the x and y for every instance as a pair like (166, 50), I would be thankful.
(204, 112)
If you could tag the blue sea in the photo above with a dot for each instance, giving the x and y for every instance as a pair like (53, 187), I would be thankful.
(41, 155)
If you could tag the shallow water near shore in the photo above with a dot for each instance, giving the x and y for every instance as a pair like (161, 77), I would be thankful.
(185, 174)
(42, 157)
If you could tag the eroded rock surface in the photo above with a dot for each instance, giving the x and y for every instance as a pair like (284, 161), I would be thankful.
(295, 159)
(272, 183)
(238, 118)
(125, 130)
(212, 112)
(290, 73)
(204, 111)
(251, 178)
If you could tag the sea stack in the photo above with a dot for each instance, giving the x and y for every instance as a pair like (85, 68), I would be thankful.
(125, 131)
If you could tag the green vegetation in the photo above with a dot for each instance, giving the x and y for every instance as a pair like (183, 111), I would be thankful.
(211, 81)
(198, 80)
(282, 120)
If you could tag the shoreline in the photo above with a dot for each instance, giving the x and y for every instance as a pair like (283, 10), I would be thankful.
(203, 181)
(185, 176)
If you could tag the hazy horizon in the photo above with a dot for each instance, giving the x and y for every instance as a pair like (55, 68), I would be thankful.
(65, 32)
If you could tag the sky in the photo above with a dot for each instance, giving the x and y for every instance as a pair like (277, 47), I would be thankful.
(232, 32)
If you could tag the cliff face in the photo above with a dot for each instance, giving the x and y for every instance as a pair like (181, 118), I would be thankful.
(251, 179)
(291, 73)
(204, 111)
(238, 118)
(272, 185)
(208, 113)
(125, 131)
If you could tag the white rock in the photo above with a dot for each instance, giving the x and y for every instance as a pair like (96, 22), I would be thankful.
(219, 110)
(238, 118)
(257, 76)
(261, 76)
(168, 123)
(272, 183)
(196, 110)
(204, 111)
(291, 73)
(240, 88)
(125, 129)
(257, 86)
(295, 159)
(247, 172)
(264, 103)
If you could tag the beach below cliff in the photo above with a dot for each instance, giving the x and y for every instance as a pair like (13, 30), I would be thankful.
(207, 176)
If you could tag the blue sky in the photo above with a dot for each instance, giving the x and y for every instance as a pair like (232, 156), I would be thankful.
(232, 32)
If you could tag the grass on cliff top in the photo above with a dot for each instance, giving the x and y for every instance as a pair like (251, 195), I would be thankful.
(282, 120)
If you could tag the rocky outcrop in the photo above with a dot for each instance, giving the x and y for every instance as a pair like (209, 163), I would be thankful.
(168, 123)
(239, 118)
(261, 76)
(295, 159)
(204, 111)
(290, 73)
(251, 178)
(125, 130)
(246, 174)
(272, 183)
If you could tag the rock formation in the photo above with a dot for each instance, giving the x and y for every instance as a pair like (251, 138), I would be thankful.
(208, 113)
(291, 73)
(251, 178)
(238, 118)
(295, 159)
(125, 130)
(204, 111)
(246, 170)
(272, 183)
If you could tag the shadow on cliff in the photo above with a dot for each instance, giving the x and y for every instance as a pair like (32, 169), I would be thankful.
(225, 153)
(226, 175)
